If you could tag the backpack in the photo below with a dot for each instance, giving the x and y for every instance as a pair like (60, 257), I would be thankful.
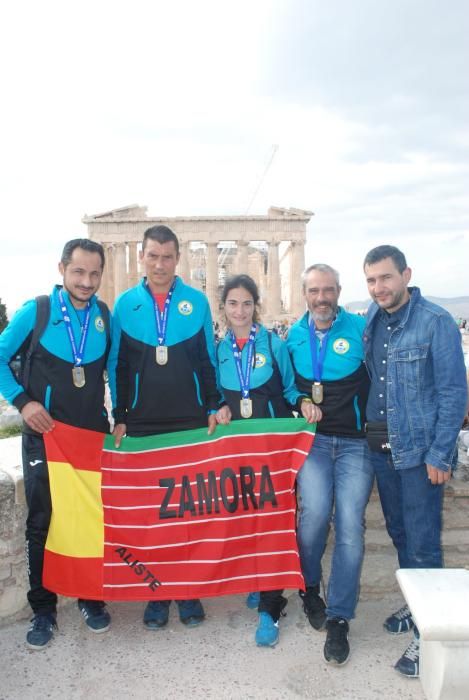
(22, 364)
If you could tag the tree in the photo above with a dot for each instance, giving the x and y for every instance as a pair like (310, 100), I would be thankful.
(3, 316)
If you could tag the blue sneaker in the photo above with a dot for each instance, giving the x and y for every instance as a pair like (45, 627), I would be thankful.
(95, 615)
(41, 631)
(409, 663)
(191, 612)
(156, 614)
(267, 633)
(252, 601)
(399, 622)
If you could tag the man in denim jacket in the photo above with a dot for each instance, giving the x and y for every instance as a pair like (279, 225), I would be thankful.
(415, 409)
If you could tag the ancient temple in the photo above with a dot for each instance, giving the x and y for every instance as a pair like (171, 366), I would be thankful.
(269, 248)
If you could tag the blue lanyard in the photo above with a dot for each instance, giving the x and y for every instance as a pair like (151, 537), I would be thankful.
(317, 353)
(162, 318)
(244, 378)
(77, 353)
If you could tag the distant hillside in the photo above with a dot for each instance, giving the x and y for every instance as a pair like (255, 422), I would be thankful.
(457, 306)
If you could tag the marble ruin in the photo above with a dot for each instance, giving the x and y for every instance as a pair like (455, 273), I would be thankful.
(269, 248)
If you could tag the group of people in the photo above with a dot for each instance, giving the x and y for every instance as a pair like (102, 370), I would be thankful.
(387, 392)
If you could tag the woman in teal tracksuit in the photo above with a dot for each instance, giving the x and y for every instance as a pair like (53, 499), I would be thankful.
(257, 380)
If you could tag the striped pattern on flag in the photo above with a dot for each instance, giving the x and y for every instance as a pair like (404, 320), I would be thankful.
(188, 515)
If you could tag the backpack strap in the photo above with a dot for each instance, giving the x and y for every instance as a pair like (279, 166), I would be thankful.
(42, 319)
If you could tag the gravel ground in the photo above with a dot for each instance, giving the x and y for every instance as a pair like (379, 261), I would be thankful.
(216, 660)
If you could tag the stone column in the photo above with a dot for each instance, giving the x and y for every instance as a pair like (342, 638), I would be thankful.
(211, 277)
(273, 282)
(106, 290)
(183, 268)
(241, 258)
(297, 266)
(133, 264)
(104, 286)
(120, 268)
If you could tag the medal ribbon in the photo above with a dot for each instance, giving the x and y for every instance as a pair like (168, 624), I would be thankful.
(162, 318)
(244, 378)
(317, 353)
(78, 353)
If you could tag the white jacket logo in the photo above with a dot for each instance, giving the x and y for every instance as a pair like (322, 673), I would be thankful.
(185, 308)
(341, 346)
(260, 360)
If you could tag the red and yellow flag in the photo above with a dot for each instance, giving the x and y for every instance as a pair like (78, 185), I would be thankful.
(176, 516)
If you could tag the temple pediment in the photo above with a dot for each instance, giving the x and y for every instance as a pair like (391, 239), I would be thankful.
(138, 213)
(133, 211)
(269, 247)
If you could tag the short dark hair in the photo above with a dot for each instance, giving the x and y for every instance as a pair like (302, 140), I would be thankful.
(160, 234)
(386, 251)
(84, 244)
(247, 283)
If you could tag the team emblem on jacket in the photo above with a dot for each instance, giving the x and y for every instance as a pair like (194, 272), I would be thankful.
(341, 346)
(185, 308)
(260, 360)
(99, 324)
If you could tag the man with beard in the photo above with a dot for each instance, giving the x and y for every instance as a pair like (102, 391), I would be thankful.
(65, 382)
(415, 409)
(327, 353)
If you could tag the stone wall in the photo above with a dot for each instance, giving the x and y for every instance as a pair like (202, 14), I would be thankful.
(380, 562)
(13, 580)
(378, 579)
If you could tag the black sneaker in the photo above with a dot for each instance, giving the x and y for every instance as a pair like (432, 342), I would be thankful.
(337, 648)
(409, 664)
(41, 631)
(96, 616)
(314, 607)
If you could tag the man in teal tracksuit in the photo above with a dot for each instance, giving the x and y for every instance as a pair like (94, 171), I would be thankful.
(327, 354)
(162, 366)
(65, 383)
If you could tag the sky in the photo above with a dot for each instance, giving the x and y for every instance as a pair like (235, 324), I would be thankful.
(178, 106)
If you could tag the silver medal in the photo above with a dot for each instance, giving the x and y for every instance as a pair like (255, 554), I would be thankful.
(245, 408)
(162, 354)
(78, 376)
(317, 392)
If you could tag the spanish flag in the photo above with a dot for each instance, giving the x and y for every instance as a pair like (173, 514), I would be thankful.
(176, 516)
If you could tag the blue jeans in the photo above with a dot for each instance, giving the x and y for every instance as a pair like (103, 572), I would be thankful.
(412, 509)
(336, 474)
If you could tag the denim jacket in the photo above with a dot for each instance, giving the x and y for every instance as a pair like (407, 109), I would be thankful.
(426, 384)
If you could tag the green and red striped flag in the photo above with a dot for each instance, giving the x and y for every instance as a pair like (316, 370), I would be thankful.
(176, 516)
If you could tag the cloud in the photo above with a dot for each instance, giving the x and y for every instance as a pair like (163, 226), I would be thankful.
(178, 105)
(400, 55)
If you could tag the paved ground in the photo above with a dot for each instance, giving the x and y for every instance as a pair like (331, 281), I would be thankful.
(216, 660)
